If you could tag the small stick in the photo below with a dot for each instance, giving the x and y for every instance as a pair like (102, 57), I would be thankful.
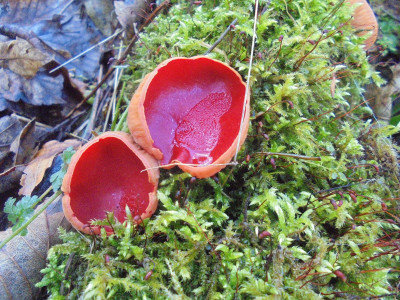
(355, 107)
(221, 37)
(64, 9)
(189, 165)
(95, 106)
(317, 117)
(290, 155)
(260, 114)
(123, 57)
(279, 51)
(86, 51)
(247, 92)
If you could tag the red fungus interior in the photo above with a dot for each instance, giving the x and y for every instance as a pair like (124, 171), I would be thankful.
(193, 109)
(106, 178)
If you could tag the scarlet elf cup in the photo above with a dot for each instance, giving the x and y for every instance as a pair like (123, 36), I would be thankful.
(188, 112)
(105, 175)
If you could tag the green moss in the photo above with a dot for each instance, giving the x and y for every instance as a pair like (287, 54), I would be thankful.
(203, 240)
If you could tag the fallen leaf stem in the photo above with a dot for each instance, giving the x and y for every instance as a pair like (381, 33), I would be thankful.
(31, 219)
(117, 112)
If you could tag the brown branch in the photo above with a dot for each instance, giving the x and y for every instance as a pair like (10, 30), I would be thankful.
(221, 37)
(355, 107)
(124, 55)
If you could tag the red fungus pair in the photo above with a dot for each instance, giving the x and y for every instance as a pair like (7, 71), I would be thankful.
(187, 112)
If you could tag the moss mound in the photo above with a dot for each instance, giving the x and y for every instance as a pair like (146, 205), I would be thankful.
(310, 209)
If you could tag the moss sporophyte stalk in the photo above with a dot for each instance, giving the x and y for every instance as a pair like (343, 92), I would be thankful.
(303, 215)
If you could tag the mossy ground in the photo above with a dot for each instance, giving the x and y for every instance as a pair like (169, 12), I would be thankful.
(332, 222)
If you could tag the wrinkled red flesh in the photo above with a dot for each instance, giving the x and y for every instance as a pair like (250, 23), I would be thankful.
(106, 178)
(193, 110)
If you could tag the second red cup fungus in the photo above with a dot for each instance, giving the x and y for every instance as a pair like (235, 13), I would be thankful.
(188, 112)
(105, 175)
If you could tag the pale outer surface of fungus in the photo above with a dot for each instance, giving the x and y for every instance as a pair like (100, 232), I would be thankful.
(364, 20)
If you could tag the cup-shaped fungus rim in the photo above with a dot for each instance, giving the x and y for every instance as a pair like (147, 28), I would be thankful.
(187, 106)
(106, 174)
(364, 21)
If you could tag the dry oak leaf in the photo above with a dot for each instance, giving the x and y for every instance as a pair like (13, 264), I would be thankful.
(22, 258)
(35, 170)
(22, 58)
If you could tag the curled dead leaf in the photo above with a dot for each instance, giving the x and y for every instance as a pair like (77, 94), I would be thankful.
(35, 170)
(19, 152)
(101, 13)
(22, 58)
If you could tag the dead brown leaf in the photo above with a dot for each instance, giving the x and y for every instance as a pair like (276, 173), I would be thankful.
(10, 127)
(101, 12)
(22, 58)
(35, 170)
(22, 148)
(23, 257)
(59, 24)
(38, 35)
(382, 96)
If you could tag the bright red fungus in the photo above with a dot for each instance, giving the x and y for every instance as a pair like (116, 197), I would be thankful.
(188, 110)
(105, 176)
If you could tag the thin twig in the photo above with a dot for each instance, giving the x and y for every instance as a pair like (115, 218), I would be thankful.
(188, 165)
(60, 126)
(221, 37)
(65, 7)
(343, 186)
(264, 10)
(290, 155)
(392, 15)
(118, 62)
(260, 114)
(117, 79)
(95, 106)
(246, 95)
(87, 50)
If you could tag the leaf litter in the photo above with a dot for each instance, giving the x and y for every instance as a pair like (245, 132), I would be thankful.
(36, 37)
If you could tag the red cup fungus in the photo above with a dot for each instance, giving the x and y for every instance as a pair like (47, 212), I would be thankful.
(105, 175)
(188, 112)
(364, 21)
